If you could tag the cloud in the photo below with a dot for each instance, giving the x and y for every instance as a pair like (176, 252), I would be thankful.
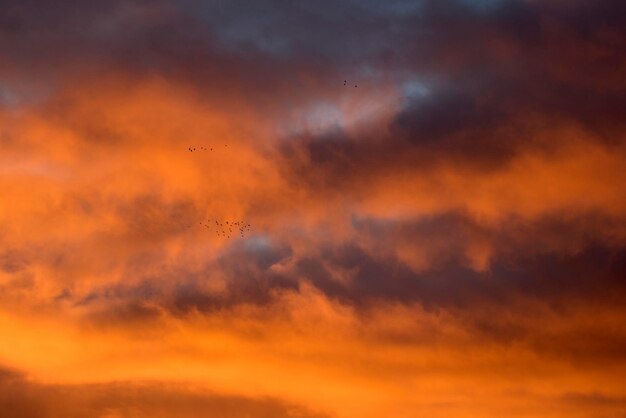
(22, 398)
(442, 236)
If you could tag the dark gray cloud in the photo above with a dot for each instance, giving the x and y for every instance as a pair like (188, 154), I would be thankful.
(553, 261)
(484, 67)
(22, 398)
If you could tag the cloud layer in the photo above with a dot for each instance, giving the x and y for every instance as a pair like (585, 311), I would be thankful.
(287, 209)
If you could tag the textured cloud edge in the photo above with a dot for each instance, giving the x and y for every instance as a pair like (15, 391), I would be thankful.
(342, 210)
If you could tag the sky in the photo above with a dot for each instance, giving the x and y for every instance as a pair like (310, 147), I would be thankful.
(312, 209)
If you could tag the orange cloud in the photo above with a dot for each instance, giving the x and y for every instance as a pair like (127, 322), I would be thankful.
(192, 223)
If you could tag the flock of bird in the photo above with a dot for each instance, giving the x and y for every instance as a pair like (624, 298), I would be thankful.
(226, 229)
(194, 149)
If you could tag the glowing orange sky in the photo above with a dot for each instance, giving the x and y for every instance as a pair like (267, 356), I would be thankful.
(447, 239)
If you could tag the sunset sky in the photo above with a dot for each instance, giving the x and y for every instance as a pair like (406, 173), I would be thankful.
(312, 209)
